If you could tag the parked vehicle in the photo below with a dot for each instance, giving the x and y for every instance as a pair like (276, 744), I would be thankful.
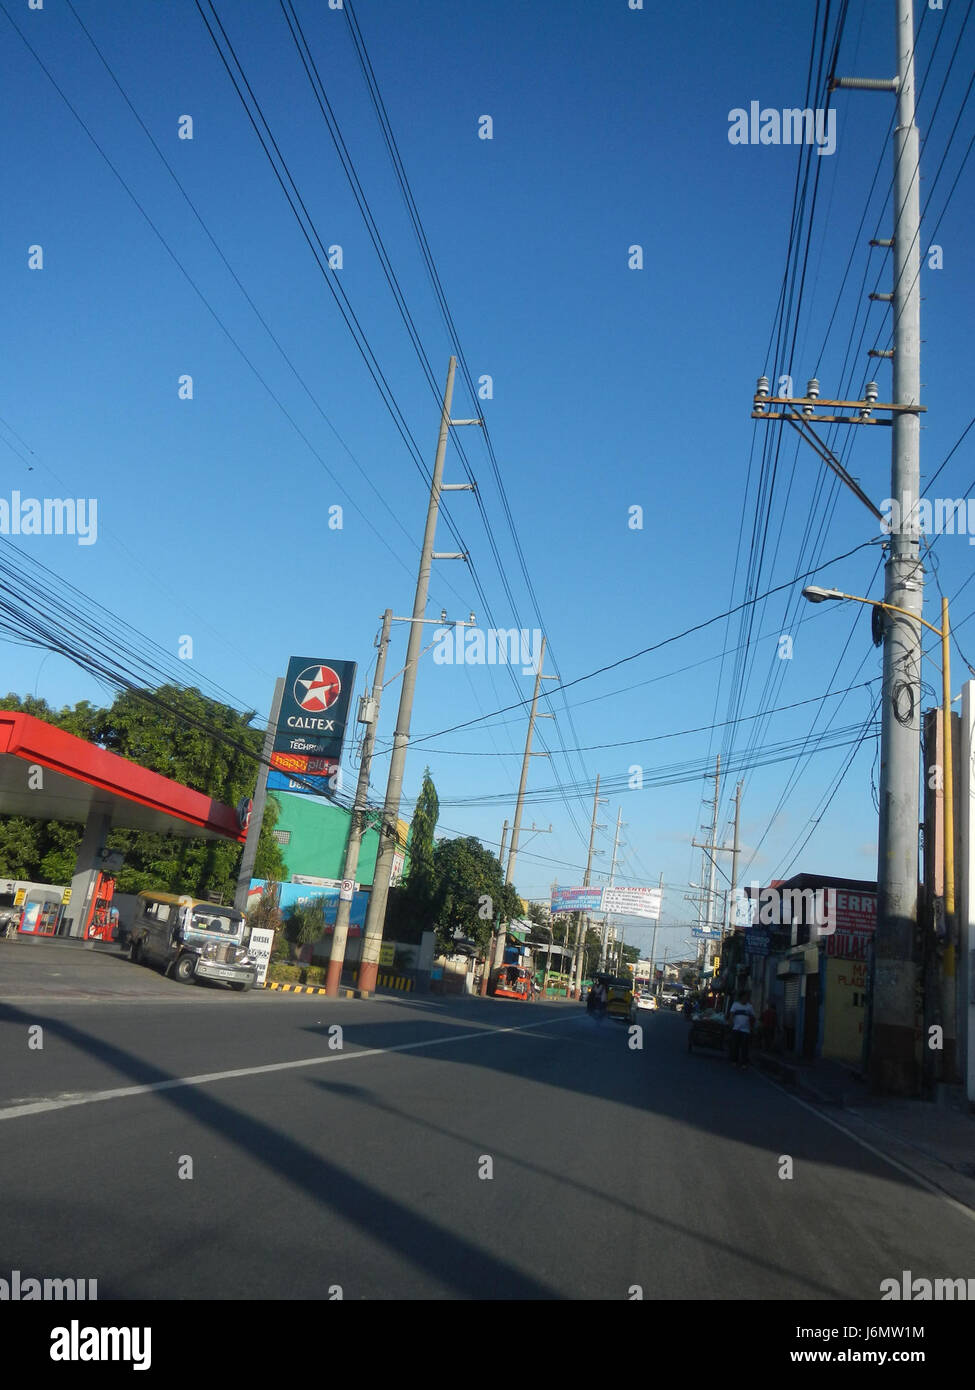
(512, 982)
(193, 940)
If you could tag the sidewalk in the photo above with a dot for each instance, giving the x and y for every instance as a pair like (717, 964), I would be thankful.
(933, 1139)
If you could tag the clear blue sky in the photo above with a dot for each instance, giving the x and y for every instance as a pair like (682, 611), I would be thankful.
(613, 387)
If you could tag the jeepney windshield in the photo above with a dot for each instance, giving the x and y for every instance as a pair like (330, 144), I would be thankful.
(215, 922)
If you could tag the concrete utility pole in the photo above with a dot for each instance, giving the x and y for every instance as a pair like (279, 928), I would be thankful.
(376, 912)
(612, 883)
(891, 1059)
(736, 848)
(369, 709)
(584, 916)
(519, 804)
(709, 847)
(249, 857)
(653, 947)
(493, 948)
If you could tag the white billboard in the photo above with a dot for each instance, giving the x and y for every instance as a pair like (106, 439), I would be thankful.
(633, 902)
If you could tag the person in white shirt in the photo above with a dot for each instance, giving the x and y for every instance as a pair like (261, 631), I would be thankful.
(742, 1017)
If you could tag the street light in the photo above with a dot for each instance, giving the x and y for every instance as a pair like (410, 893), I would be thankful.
(817, 595)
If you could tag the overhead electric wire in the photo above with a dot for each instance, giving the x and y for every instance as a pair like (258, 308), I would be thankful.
(655, 646)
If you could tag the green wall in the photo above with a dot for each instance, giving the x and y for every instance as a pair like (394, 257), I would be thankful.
(319, 833)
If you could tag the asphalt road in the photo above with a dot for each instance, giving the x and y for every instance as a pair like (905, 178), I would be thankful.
(447, 1149)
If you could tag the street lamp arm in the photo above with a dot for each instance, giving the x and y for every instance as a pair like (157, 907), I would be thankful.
(818, 595)
(893, 608)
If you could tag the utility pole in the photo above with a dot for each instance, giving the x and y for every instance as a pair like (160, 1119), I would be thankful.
(891, 1060)
(653, 947)
(493, 948)
(708, 849)
(612, 881)
(736, 848)
(584, 916)
(368, 715)
(249, 856)
(376, 912)
(516, 828)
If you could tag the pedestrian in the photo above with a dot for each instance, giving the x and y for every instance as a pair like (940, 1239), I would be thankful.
(742, 1017)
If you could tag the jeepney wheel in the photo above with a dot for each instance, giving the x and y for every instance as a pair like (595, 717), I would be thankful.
(135, 952)
(241, 986)
(184, 969)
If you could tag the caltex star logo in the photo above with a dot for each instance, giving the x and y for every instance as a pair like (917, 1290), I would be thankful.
(317, 688)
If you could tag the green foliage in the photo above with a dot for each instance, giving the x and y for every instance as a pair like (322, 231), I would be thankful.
(306, 923)
(265, 915)
(413, 899)
(283, 974)
(422, 828)
(170, 731)
(468, 893)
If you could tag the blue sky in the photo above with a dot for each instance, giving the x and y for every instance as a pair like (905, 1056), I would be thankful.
(612, 387)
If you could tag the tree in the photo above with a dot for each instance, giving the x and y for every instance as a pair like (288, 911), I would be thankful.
(538, 915)
(422, 828)
(265, 915)
(306, 922)
(469, 893)
(414, 900)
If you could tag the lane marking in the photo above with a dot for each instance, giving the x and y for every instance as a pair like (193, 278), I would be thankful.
(64, 1102)
(931, 1187)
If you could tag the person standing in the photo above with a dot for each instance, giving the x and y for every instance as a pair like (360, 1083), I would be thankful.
(742, 1017)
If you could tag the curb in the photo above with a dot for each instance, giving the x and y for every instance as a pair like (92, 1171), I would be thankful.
(400, 982)
(344, 993)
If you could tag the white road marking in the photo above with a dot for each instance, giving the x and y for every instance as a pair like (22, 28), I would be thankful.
(64, 1102)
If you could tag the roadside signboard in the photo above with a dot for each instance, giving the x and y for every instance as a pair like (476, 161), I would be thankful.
(311, 726)
(577, 899)
(633, 902)
(757, 941)
(261, 941)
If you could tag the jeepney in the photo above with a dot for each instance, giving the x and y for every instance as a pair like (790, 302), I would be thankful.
(191, 939)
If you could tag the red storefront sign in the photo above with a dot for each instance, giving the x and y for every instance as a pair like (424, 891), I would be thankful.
(856, 922)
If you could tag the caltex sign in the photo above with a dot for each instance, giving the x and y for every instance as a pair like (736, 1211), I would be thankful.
(311, 726)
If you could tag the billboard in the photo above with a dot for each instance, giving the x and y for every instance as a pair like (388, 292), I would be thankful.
(633, 902)
(310, 730)
(577, 899)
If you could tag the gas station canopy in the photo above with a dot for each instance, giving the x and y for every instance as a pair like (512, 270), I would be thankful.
(80, 779)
